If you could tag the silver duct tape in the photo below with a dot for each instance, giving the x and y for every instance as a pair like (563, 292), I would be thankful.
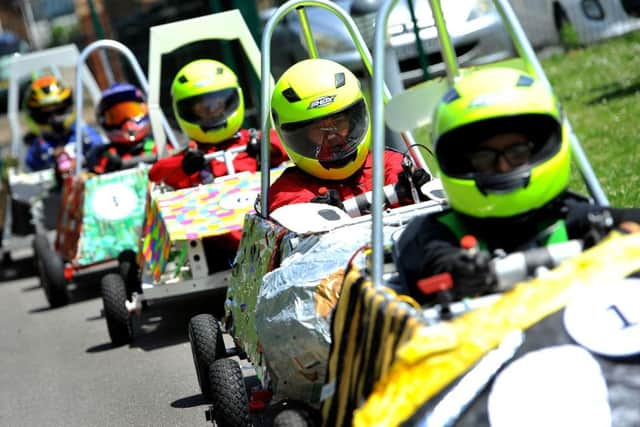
(294, 307)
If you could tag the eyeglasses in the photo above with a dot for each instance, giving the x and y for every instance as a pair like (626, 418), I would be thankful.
(485, 158)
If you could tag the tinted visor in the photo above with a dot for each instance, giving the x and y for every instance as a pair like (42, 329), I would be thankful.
(209, 110)
(460, 153)
(48, 114)
(119, 114)
(328, 138)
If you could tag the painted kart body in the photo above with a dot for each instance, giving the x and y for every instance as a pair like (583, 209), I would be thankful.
(101, 216)
(408, 377)
(284, 285)
(175, 220)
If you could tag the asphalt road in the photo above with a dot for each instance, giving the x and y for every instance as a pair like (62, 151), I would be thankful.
(58, 367)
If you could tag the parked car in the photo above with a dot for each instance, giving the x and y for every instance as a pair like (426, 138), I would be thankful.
(577, 22)
(475, 28)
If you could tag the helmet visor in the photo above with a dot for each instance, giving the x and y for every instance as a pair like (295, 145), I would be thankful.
(52, 113)
(121, 113)
(209, 110)
(329, 138)
(500, 144)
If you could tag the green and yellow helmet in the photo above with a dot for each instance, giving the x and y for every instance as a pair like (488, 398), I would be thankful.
(322, 118)
(49, 106)
(479, 106)
(207, 101)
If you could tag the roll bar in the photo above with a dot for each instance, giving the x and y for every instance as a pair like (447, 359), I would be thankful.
(23, 65)
(526, 53)
(267, 85)
(142, 80)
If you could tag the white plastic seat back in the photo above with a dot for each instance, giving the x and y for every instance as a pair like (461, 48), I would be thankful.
(166, 38)
(49, 61)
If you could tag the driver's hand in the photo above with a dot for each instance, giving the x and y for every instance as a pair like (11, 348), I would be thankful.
(114, 162)
(253, 146)
(193, 161)
(328, 196)
(471, 272)
(417, 177)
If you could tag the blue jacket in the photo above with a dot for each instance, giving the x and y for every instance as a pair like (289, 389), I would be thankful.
(40, 152)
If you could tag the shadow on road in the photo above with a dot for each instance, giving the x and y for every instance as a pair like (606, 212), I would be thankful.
(17, 269)
(190, 402)
(160, 325)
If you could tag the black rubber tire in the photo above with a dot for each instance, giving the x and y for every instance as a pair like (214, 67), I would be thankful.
(114, 295)
(292, 418)
(228, 394)
(207, 346)
(129, 271)
(51, 271)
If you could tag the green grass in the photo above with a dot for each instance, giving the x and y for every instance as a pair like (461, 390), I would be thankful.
(599, 88)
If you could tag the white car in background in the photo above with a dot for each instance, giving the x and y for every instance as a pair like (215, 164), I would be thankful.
(474, 25)
(576, 22)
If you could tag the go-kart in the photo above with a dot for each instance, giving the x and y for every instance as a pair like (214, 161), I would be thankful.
(32, 205)
(100, 215)
(286, 281)
(431, 366)
(177, 252)
(289, 260)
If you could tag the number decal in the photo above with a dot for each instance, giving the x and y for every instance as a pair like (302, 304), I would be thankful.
(625, 322)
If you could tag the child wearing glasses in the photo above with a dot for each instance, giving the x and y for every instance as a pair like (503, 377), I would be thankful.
(502, 147)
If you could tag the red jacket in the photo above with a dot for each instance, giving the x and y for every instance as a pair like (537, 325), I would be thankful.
(296, 186)
(146, 146)
(169, 169)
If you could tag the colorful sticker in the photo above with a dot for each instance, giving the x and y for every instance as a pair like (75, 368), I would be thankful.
(194, 213)
(113, 210)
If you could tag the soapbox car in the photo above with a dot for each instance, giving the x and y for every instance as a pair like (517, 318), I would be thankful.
(424, 368)
(178, 251)
(100, 216)
(289, 260)
(31, 199)
(287, 278)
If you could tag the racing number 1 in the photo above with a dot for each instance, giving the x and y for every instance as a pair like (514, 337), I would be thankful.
(625, 322)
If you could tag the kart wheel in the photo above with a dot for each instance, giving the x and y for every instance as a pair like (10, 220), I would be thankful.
(51, 271)
(114, 295)
(292, 418)
(129, 271)
(207, 345)
(228, 394)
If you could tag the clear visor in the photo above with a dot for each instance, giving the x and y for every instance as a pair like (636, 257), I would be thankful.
(209, 110)
(329, 138)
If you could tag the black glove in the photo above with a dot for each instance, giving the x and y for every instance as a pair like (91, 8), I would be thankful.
(253, 146)
(114, 162)
(330, 197)
(408, 177)
(193, 161)
(471, 273)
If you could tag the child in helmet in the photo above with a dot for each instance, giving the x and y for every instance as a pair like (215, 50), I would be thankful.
(123, 115)
(51, 120)
(322, 118)
(502, 146)
(209, 106)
